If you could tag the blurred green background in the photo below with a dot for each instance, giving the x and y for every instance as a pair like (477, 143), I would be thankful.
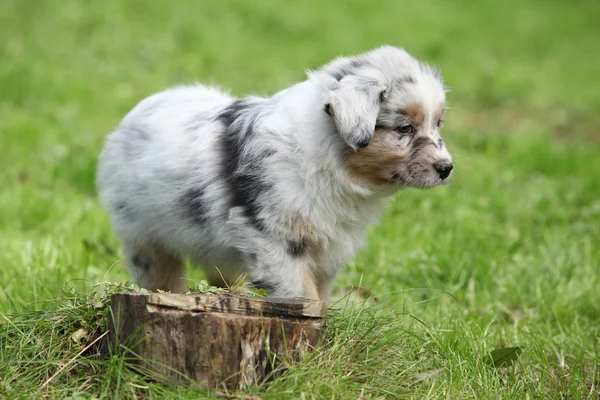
(515, 239)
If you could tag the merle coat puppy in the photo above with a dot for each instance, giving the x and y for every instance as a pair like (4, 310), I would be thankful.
(281, 188)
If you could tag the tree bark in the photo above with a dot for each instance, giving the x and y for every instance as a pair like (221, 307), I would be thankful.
(214, 340)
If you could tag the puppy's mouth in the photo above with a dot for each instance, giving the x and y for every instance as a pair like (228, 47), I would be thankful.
(424, 181)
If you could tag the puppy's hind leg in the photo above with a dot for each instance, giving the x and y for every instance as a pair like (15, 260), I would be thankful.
(154, 268)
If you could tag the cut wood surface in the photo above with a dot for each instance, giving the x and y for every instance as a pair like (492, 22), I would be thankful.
(268, 307)
(215, 340)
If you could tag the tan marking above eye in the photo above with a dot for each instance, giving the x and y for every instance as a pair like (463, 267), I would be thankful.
(415, 114)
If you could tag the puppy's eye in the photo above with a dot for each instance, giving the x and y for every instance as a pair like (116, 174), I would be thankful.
(405, 129)
(440, 122)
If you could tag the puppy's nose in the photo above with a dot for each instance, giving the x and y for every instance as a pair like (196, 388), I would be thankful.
(443, 168)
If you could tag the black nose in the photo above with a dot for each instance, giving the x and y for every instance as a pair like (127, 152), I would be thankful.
(443, 168)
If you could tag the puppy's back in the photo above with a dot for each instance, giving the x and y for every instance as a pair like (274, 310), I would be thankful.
(162, 149)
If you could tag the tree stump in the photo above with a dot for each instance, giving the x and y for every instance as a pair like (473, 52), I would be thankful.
(214, 340)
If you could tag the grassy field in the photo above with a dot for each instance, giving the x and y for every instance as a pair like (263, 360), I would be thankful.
(507, 255)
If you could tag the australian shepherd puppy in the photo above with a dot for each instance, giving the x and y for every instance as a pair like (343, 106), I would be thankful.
(279, 188)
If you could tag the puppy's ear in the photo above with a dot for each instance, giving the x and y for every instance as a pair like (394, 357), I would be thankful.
(354, 106)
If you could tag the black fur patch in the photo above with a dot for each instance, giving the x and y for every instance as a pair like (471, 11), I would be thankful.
(401, 83)
(296, 248)
(360, 146)
(421, 142)
(140, 262)
(243, 171)
(264, 284)
(192, 205)
(233, 111)
(349, 69)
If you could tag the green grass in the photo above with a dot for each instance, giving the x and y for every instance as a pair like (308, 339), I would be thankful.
(507, 255)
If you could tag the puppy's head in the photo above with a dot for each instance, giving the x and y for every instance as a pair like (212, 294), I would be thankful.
(389, 108)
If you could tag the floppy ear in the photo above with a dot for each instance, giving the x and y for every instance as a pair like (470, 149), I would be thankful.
(354, 106)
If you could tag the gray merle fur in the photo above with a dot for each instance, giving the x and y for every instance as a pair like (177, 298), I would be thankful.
(243, 173)
(192, 205)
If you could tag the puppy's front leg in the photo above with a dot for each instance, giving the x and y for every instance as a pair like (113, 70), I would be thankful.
(310, 286)
(282, 273)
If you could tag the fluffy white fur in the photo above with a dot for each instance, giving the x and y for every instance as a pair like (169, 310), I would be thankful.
(265, 185)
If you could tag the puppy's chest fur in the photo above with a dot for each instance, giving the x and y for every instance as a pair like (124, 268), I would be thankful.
(328, 230)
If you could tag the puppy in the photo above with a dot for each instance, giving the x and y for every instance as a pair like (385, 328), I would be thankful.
(281, 188)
